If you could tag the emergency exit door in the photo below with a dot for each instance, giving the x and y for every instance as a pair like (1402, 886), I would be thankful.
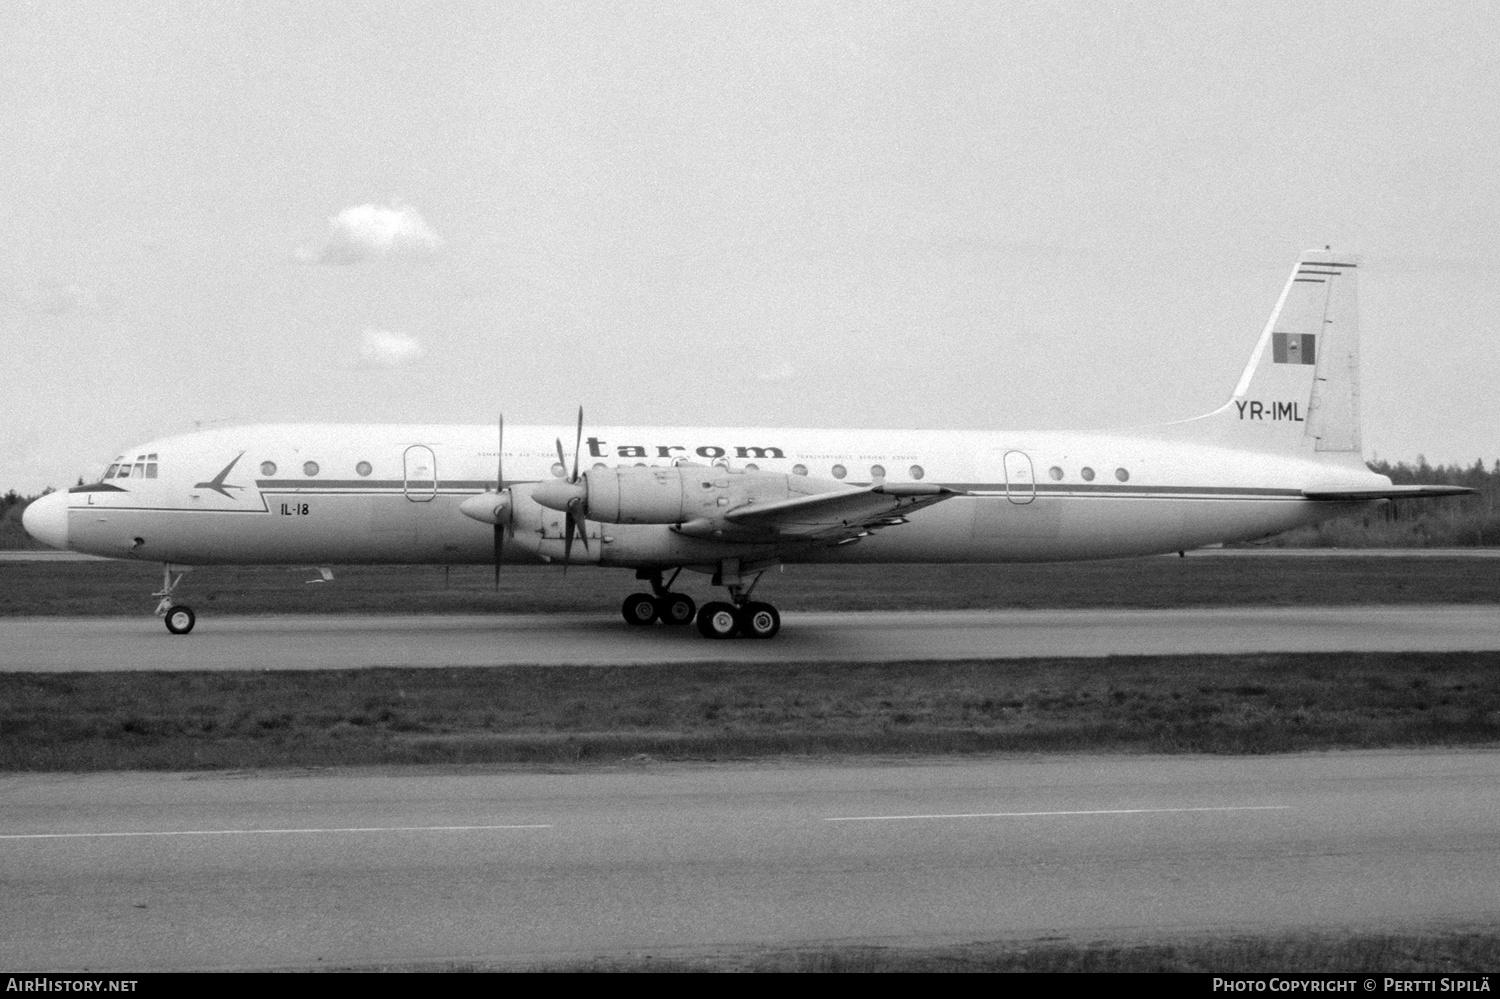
(420, 478)
(1020, 481)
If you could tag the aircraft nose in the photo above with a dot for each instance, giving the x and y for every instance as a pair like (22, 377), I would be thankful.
(46, 519)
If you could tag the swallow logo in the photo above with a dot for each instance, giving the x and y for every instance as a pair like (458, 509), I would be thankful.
(217, 483)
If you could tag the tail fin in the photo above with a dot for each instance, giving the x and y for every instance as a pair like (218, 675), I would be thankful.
(1300, 392)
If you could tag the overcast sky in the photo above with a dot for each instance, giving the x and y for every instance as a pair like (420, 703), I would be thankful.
(934, 215)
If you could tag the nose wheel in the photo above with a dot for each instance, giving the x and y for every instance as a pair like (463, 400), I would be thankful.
(180, 619)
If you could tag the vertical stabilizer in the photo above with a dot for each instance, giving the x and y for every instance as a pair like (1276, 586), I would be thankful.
(1300, 392)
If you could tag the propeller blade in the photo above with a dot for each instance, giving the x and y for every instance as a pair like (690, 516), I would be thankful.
(578, 519)
(577, 445)
(574, 519)
(500, 485)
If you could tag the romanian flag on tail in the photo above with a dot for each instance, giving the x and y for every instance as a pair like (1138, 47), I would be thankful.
(1294, 348)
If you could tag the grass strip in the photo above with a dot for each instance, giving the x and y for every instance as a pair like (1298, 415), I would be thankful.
(123, 588)
(551, 715)
(1361, 953)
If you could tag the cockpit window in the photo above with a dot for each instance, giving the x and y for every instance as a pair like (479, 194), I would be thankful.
(124, 472)
(150, 466)
(112, 469)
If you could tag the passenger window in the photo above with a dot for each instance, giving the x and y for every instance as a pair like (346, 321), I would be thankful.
(309, 468)
(1087, 473)
(1122, 475)
(268, 468)
(839, 471)
(1055, 474)
(916, 471)
(752, 467)
(364, 468)
(799, 469)
(877, 471)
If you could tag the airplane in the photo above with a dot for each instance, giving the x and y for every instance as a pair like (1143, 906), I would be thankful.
(733, 502)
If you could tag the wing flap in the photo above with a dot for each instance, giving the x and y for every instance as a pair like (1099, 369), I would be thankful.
(845, 512)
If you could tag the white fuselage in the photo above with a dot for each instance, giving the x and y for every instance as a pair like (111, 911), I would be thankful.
(321, 493)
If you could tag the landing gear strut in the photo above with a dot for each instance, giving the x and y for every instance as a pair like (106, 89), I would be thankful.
(660, 605)
(179, 617)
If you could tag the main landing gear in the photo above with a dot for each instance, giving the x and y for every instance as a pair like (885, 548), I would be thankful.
(742, 617)
(179, 617)
(661, 604)
(751, 619)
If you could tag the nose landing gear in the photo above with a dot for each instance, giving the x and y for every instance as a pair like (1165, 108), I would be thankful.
(179, 617)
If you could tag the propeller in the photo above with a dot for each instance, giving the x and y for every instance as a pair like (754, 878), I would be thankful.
(499, 486)
(493, 507)
(573, 512)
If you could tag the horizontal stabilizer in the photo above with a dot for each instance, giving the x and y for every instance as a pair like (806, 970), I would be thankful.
(1385, 492)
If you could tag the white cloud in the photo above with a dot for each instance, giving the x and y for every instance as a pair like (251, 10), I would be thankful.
(55, 299)
(383, 349)
(366, 232)
(784, 373)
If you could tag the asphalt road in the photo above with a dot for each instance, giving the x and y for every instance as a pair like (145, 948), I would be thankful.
(348, 642)
(339, 868)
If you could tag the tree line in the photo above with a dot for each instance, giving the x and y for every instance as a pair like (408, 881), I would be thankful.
(1455, 522)
(12, 535)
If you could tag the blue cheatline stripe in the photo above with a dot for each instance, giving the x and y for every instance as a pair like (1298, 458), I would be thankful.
(460, 486)
(376, 485)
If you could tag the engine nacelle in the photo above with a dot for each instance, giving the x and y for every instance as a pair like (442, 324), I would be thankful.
(635, 495)
(676, 495)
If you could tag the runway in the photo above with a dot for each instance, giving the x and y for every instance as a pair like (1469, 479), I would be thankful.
(339, 868)
(56, 644)
(53, 555)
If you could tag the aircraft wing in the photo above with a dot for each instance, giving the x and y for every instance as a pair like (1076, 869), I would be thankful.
(1385, 492)
(844, 514)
